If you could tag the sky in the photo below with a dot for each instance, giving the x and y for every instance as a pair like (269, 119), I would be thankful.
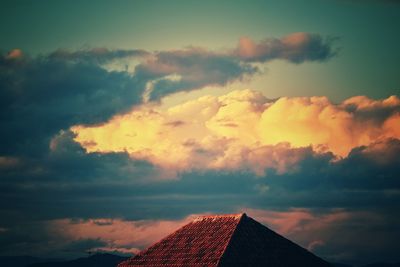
(122, 121)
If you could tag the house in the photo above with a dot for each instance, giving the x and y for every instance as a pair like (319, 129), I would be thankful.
(225, 240)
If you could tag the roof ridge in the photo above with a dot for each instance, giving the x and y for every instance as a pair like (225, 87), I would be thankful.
(232, 215)
(242, 217)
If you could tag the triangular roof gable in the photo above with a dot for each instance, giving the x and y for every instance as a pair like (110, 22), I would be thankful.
(225, 240)
(199, 243)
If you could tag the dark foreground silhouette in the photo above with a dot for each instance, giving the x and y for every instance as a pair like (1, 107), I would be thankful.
(96, 260)
(107, 260)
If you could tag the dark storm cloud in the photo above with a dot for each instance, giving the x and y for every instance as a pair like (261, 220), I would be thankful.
(109, 185)
(372, 111)
(366, 178)
(69, 183)
(40, 96)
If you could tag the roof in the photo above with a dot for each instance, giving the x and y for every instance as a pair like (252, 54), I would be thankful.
(224, 240)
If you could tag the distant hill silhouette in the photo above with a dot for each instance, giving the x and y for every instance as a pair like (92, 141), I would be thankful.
(19, 261)
(335, 264)
(96, 260)
(383, 265)
(108, 260)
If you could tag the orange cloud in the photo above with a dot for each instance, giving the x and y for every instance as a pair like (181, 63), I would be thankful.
(14, 54)
(119, 235)
(243, 130)
(335, 230)
(298, 220)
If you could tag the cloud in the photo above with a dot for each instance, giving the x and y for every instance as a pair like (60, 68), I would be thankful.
(14, 54)
(300, 222)
(71, 201)
(112, 185)
(116, 233)
(41, 96)
(193, 68)
(74, 238)
(99, 55)
(296, 48)
(44, 94)
(244, 130)
(304, 163)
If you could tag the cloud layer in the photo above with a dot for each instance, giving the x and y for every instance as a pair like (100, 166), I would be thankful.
(90, 160)
(94, 198)
(244, 130)
(52, 92)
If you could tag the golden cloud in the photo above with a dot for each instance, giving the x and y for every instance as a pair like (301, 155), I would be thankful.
(243, 130)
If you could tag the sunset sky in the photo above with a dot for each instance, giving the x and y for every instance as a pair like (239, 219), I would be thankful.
(123, 120)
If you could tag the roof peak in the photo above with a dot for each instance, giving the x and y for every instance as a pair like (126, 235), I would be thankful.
(235, 216)
(224, 240)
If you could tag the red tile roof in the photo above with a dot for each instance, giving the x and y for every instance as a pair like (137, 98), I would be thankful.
(224, 240)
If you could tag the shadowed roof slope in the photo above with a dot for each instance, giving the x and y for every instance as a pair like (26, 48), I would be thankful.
(225, 240)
